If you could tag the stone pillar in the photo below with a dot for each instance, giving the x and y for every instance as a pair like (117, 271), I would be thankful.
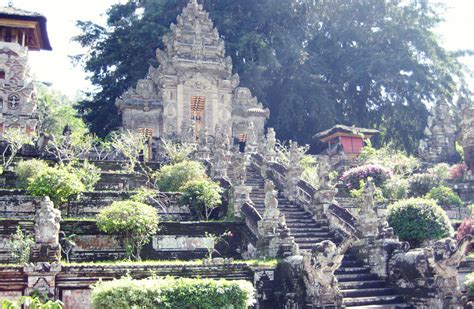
(293, 172)
(45, 254)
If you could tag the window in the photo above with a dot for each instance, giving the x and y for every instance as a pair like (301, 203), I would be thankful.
(197, 111)
(2, 74)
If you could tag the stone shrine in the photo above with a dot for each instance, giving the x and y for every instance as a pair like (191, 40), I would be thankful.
(193, 88)
(20, 32)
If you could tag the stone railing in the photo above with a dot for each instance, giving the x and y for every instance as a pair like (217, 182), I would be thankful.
(252, 217)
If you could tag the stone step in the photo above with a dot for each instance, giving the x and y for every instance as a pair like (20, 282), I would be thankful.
(367, 292)
(353, 270)
(386, 306)
(356, 277)
(374, 300)
(350, 285)
(300, 220)
(307, 229)
(351, 263)
(311, 240)
(297, 216)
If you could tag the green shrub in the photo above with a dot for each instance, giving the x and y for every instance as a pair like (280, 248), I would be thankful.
(170, 178)
(19, 244)
(88, 173)
(469, 282)
(416, 220)
(202, 196)
(134, 222)
(445, 197)
(168, 292)
(421, 184)
(396, 188)
(26, 170)
(397, 161)
(376, 172)
(440, 171)
(58, 183)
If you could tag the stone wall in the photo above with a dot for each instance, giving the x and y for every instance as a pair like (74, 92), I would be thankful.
(17, 204)
(72, 283)
(175, 240)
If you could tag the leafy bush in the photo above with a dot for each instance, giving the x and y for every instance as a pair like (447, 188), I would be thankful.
(395, 160)
(466, 228)
(32, 302)
(202, 196)
(134, 222)
(421, 184)
(396, 188)
(27, 170)
(457, 171)
(378, 173)
(173, 293)
(19, 244)
(440, 171)
(58, 183)
(88, 173)
(416, 220)
(170, 178)
(445, 197)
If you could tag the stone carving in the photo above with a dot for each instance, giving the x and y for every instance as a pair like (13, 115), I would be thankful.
(368, 221)
(440, 135)
(42, 278)
(431, 268)
(203, 145)
(293, 171)
(193, 63)
(467, 131)
(319, 268)
(46, 247)
(17, 91)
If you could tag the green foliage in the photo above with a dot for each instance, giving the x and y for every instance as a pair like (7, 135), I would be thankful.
(421, 184)
(376, 172)
(396, 188)
(173, 293)
(171, 178)
(56, 111)
(397, 161)
(202, 196)
(445, 197)
(31, 302)
(460, 151)
(130, 145)
(440, 171)
(134, 222)
(27, 170)
(369, 63)
(15, 140)
(19, 244)
(88, 173)
(469, 282)
(58, 183)
(178, 152)
(416, 220)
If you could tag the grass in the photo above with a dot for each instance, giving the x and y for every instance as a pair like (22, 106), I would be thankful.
(255, 263)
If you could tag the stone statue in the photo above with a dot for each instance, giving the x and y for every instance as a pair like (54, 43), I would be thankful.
(47, 223)
(271, 201)
(319, 268)
(431, 268)
(46, 247)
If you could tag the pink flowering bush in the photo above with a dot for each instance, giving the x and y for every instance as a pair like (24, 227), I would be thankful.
(466, 228)
(457, 171)
(378, 173)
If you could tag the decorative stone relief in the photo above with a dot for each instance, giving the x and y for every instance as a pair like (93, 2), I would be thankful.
(293, 171)
(42, 277)
(467, 133)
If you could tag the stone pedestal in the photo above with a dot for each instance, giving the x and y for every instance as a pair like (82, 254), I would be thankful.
(241, 195)
(42, 278)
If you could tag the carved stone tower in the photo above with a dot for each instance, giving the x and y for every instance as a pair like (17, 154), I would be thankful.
(193, 88)
(20, 32)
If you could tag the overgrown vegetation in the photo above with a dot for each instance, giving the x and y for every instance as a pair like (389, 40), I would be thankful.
(203, 196)
(19, 245)
(416, 220)
(134, 222)
(26, 170)
(173, 293)
(171, 178)
(378, 173)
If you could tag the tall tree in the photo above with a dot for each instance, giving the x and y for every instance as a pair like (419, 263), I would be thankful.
(314, 63)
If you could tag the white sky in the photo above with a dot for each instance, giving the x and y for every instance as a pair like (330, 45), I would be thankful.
(457, 33)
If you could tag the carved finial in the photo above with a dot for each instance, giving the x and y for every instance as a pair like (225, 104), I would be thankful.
(10, 4)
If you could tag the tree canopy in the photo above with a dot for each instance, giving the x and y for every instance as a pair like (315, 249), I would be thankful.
(314, 63)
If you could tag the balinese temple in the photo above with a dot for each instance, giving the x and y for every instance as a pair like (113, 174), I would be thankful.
(20, 32)
(349, 140)
(193, 88)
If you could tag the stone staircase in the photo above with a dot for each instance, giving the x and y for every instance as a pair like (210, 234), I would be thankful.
(360, 288)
